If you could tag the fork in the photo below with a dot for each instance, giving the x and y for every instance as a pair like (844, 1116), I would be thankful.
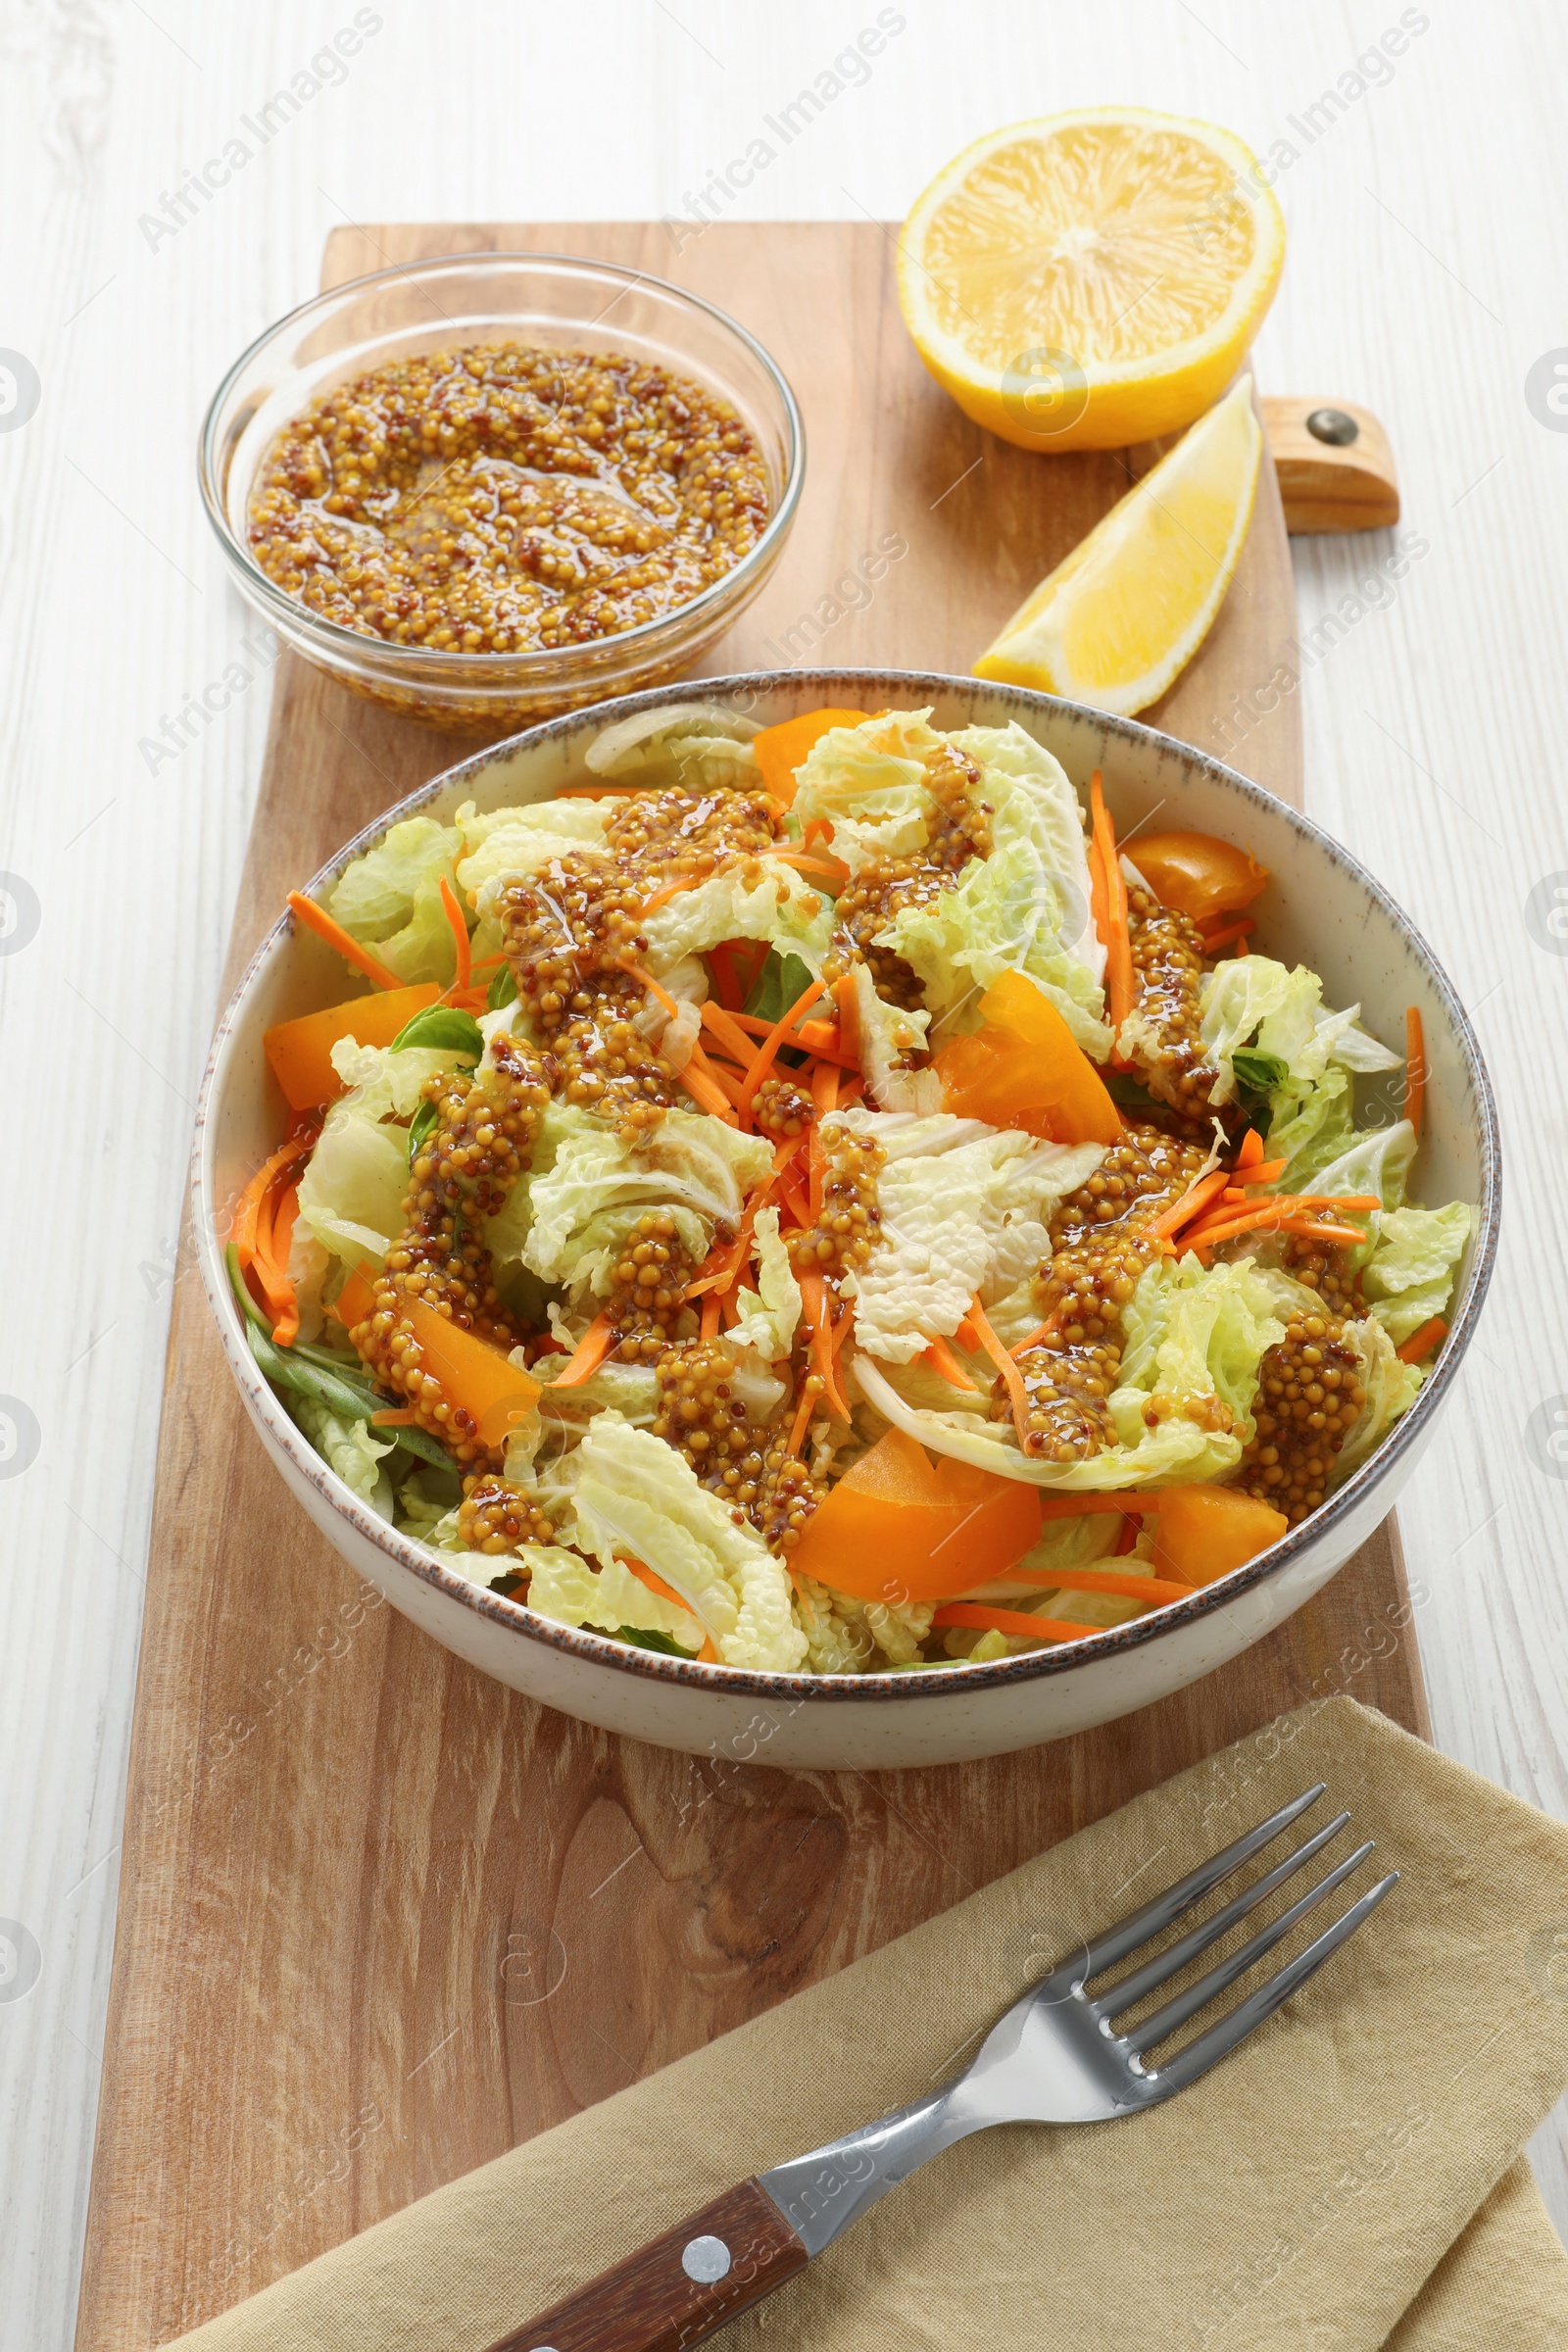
(1052, 2058)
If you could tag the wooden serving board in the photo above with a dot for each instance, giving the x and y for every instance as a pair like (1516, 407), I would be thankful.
(379, 1917)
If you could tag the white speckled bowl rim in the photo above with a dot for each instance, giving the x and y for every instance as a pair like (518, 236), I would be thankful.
(891, 688)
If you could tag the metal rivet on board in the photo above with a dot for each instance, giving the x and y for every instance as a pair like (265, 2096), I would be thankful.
(1333, 424)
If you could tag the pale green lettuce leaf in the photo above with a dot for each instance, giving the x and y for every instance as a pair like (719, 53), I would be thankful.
(782, 906)
(695, 746)
(1279, 1010)
(391, 898)
(1391, 1387)
(524, 841)
(1195, 1339)
(569, 1591)
(951, 1191)
(869, 784)
(688, 1162)
(888, 1036)
(1023, 908)
(351, 1195)
(769, 1316)
(635, 1496)
(350, 1447)
(1376, 1161)
(1415, 1255)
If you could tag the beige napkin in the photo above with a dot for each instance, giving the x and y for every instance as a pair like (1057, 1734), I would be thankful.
(1351, 2178)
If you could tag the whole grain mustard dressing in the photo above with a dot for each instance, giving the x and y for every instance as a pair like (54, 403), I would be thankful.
(501, 498)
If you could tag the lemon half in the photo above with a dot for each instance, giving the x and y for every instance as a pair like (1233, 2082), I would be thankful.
(1090, 280)
(1121, 615)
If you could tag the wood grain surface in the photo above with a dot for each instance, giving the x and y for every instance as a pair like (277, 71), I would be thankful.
(379, 1917)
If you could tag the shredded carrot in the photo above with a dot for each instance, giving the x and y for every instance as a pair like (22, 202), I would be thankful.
(851, 1093)
(660, 996)
(1196, 1197)
(767, 1052)
(834, 867)
(813, 1297)
(1415, 1067)
(1265, 1171)
(589, 1354)
(1041, 1331)
(942, 1360)
(802, 1414)
(1215, 940)
(728, 1031)
(725, 1260)
(1126, 1539)
(1268, 1220)
(670, 890)
(242, 1233)
(1118, 946)
(1421, 1342)
(1251, 1153)
(459, 935)
(795, 1201)
(967, 1335)
(1104, 1580)
(487, 963)
(403, 1417)
(700, 1084)
(1011, 1621)
(709, 1321)
(316, 918)
(1017, 1394)
(847, 1000)
(820, 827)
(280, 1292)
(723, 961)
(707, 1655)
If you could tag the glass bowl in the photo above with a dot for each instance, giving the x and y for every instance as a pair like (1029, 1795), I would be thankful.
(547, 300)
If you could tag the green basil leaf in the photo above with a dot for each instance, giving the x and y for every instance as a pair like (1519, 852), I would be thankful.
(419, 1126)
(639, 1639)
(503, 988)
(445, 1029)
(781, 982)
(420, 1442)
(1257, 1075)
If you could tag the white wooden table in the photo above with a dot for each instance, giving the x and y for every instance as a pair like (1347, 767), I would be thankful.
(1426, 266)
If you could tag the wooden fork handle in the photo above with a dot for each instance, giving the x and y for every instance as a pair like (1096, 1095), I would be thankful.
(676, 2291)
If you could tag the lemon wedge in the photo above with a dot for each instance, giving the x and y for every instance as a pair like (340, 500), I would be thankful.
(1124, 613)
(1090, 280)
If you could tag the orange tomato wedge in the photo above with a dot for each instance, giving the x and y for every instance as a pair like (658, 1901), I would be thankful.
(474, 1375)
(1022, 1067)
(1203, 1533)
(301, 1051)
(900, 1526)
(780, 750)
(1198, 873)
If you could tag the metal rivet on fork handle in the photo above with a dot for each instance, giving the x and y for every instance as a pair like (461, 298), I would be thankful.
(706, 2260)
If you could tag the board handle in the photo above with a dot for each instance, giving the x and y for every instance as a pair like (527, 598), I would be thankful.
(679, 2287)
(1335, 465)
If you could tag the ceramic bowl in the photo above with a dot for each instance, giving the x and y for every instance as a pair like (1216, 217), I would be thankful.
(1321, 909)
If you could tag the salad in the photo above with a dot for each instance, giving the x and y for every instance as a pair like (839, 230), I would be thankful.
(809, 1200)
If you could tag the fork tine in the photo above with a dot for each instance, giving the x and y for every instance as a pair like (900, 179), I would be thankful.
(1131, 1990)
(1187, 2004)
(1168, 1908)
(1200, 2055)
